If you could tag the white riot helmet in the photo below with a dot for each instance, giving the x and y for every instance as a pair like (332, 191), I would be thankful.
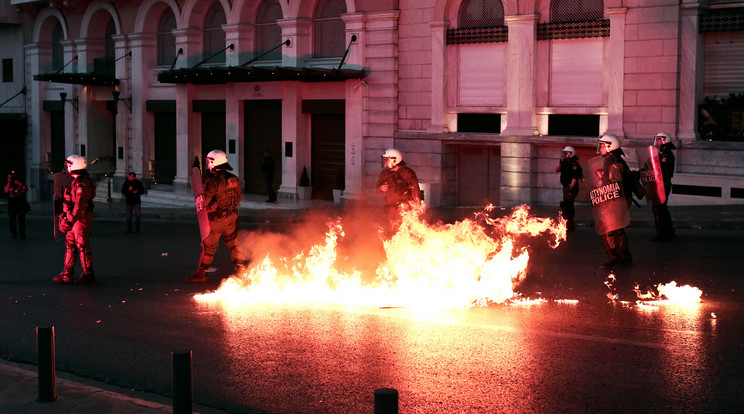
(608, 139)
(569, 149)
(217, 158)
(394, 155)
(76, 162)
(664, 137)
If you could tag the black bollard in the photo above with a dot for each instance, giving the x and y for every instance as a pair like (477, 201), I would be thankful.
(182, 383)
(386, 401)
(45, 350)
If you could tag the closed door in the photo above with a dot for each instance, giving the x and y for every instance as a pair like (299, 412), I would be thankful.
(328, 153)
(263, 131)
(478, 175)
(165, 148)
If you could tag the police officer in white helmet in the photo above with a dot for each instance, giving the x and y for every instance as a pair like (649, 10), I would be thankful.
(571, 173)
(662, 218)
(615, 241)
(399, 184)
(222, 195)
(75, 221)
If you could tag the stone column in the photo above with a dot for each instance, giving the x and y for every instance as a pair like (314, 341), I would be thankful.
(294, 131)
(234, 130)
(521, 90)
(123, 115)
(298, 33)
(143, 139)
(616, 71)
(241, 36)
(71, 128)
(691, 70)
(188, 135)
(189, 41)
(518, 173)
(354, 98)
(38, 121)
(439, 79)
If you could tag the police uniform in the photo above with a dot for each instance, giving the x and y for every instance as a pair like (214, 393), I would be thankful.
(615, 242)
(570, 170)
(403, 187)
(662, 218)
(75, 221)
(222, 194)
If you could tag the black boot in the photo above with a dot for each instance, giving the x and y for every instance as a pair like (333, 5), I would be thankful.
(64, 277)
(200, 276)
(88, 276)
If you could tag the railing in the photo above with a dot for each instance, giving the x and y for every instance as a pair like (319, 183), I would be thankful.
(721, 122)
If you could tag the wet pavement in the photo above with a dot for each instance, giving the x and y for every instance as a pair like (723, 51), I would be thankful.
(114, 339)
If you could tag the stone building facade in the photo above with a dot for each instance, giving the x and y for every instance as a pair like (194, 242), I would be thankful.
(479, 95)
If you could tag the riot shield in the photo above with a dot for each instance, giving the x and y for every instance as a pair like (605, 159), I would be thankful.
(651, 178)
(605, 183)
(61, 181)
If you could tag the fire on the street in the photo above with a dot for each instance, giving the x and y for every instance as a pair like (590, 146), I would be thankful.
(664, 294)
(670, 293)
(472, 262)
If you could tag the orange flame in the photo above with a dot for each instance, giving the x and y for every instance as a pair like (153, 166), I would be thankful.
(679, 295)
(427, 266)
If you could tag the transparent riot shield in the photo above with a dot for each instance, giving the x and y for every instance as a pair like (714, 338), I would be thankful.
(651, 178)
(605, 184)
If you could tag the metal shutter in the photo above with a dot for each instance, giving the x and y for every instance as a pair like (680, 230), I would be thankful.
(263, 131)
(724, 59)
(576, 72)
(328, 153)
(481, 74)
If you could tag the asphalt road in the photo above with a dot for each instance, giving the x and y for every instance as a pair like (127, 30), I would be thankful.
(596, 355)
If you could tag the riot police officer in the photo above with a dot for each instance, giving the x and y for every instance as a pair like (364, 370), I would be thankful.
(615, 241)
(75, 221)
(399, 184)
(571, 173)
(662, 218)
(222, 195)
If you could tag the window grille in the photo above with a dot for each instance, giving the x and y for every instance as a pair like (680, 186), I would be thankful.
(565, 11)
(575, 30)
(58, 52)
(479, 21)
(329, 31)
(480, 13)
(575, 19)
(214, 36)
(722, 20)
(268, 32)
(166, 39)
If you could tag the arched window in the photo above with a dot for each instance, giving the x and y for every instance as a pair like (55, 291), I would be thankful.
(329, 31)
(564, 11)
(214, 36)
(58, 51)
(110, 52)
(268, 32)
(480, 13)
(166, 39)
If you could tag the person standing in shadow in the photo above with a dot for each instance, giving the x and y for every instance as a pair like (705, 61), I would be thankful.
(267, 168)
(17, 205)
(133, 190)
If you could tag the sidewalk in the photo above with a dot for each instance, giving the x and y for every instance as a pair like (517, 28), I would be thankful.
(19, 391)
(253, 209)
